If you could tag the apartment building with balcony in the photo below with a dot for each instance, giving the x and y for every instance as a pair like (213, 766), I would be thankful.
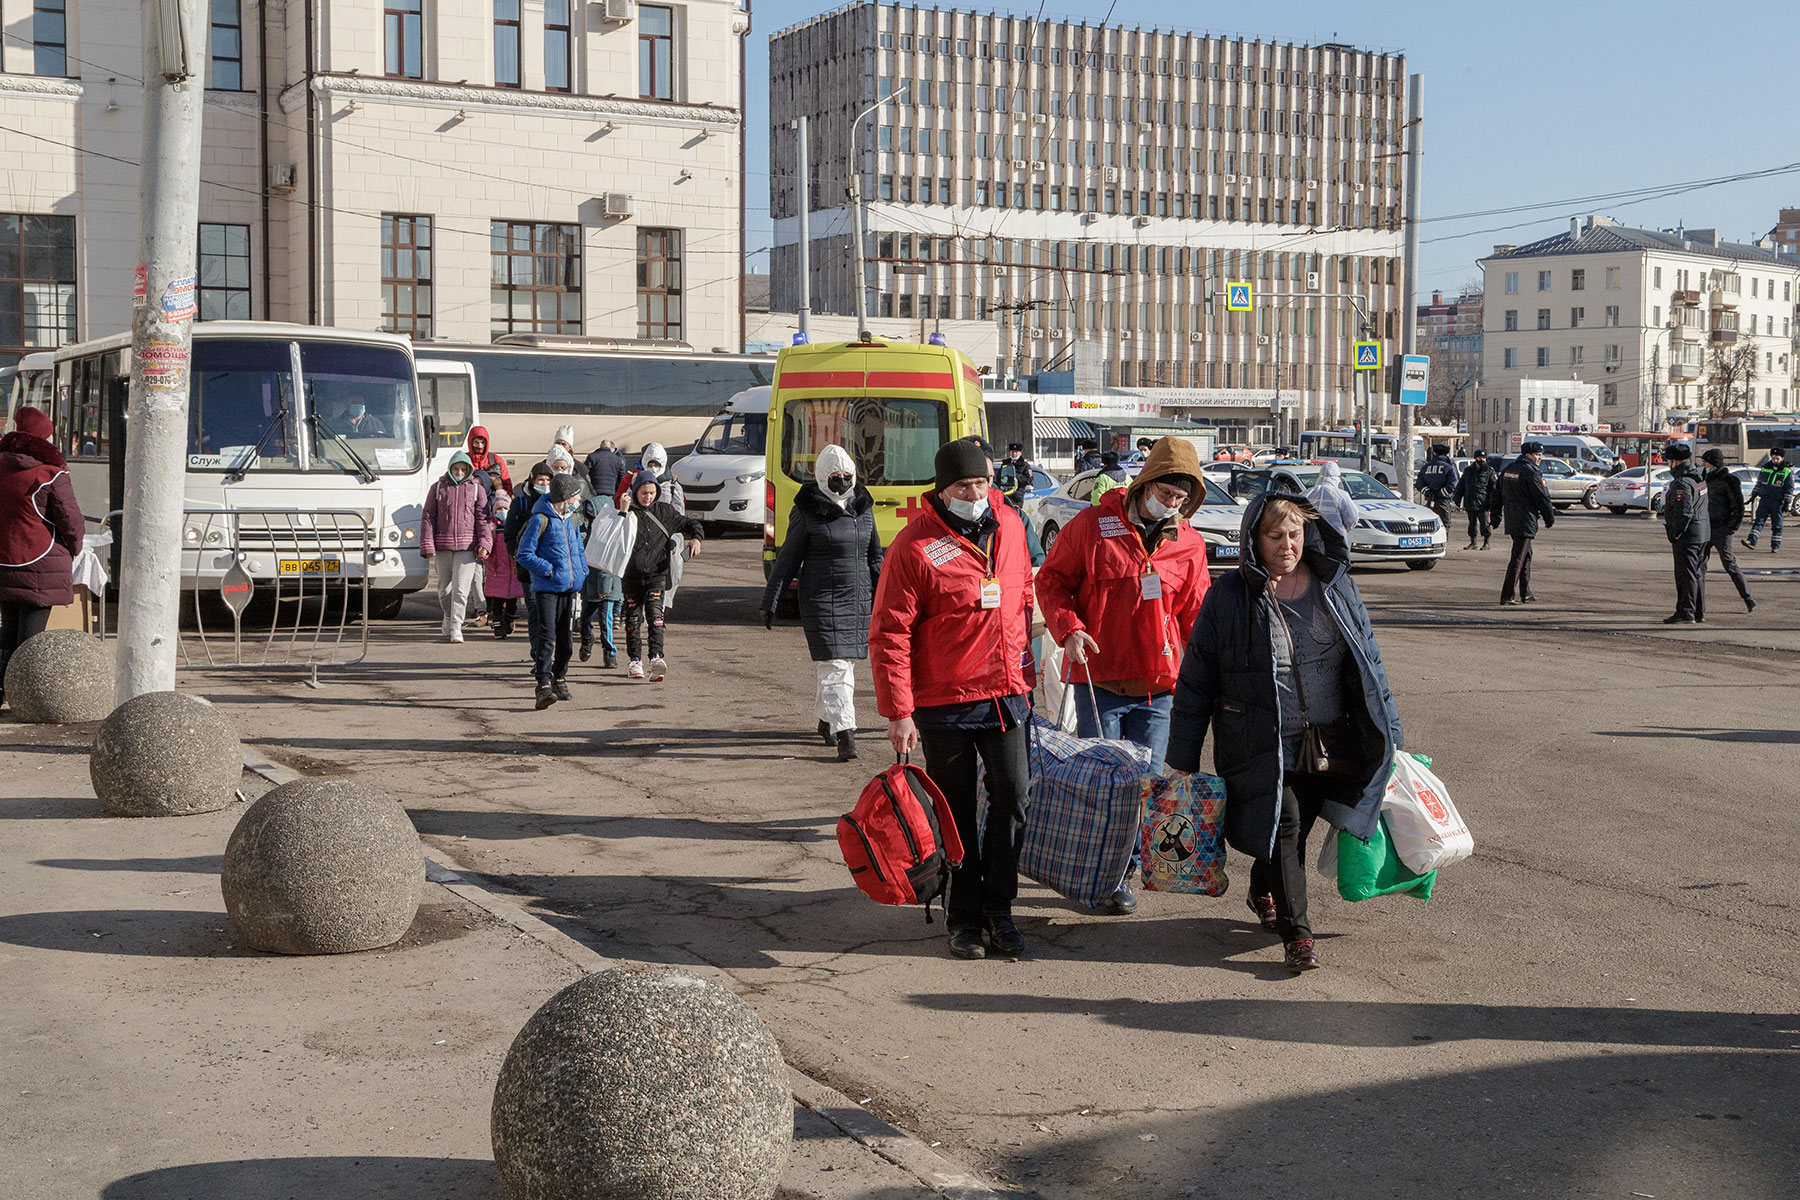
(1449, 332)
(1639, 312)
(1074, 182)
(454, 168)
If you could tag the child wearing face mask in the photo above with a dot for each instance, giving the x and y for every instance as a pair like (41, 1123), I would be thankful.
(502, 586)
(646, 578)
(537, 486)
(552, 550)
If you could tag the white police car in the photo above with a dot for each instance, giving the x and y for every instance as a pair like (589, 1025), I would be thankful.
(1218, 518)
(1389, 529)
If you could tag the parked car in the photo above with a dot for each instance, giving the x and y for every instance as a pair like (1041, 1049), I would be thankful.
(1627, 490)
(1218, 518)
(1390, 529)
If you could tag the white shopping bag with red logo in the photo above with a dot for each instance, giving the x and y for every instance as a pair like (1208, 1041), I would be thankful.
(1425, 828)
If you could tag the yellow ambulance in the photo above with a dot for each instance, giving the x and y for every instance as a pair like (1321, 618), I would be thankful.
(890, 404)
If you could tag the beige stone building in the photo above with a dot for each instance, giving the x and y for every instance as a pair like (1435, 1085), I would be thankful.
(443, 168)
(1076, 182)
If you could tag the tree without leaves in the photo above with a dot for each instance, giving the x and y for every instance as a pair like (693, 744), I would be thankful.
(1730, 370)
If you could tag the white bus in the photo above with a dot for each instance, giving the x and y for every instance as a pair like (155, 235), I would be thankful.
(27, 382)
(1345, 446)
(447, 400)
(280, 417)
(1743, 441)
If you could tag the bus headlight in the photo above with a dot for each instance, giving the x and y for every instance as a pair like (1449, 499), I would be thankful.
(214, 537)
(191, 536)
(409, 534)
(752, 477)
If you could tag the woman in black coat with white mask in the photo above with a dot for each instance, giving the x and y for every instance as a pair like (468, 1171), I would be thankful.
(834, 549)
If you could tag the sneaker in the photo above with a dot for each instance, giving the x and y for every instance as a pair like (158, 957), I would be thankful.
(659, 670)
(1678, 619)
(1264, 908)
(1528, 598)
(455, 639)
(560, 689)
(1749, 605)
(1470, 546)
(1301, 956)
(966, 943)
(1004, 938)
(1121, 903)
(846, 744)
(1511, 601)
(635, 670)
(1484, 543)
(587, 648)
(545, 696)
(609, 658)
(1749, 541)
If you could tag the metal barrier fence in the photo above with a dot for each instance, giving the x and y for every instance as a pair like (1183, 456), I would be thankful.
(308, 569)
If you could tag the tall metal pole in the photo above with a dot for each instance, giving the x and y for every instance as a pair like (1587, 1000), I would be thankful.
(805, 231)
(856, 214)
(174, 33)
(1409, 268)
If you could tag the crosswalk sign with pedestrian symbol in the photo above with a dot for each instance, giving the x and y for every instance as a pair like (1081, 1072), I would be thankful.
(1368, 356)
(1237, 297)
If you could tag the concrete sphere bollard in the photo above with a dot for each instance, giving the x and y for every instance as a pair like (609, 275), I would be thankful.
(60, 677)
(643, 1084)
(165, 754)
(322, 866)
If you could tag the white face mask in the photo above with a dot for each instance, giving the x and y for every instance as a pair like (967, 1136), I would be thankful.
(968, 510)
(1155, 509)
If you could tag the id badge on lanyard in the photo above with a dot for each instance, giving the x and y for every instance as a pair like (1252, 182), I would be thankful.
(1151, 583)
(990, 592)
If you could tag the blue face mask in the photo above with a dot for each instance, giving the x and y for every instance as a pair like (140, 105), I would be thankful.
(356, 412)
(968, 510)
(540, 489)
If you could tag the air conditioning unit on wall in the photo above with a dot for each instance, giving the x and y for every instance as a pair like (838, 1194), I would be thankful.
(614, 12)
(281, 177)
(618, 204)
(1111, 175)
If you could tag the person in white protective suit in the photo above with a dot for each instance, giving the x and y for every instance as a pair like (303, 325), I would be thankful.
(1332, 501)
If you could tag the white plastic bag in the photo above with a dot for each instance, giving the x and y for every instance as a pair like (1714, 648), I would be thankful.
(1328, 854)
(610, 541)
(677, 558)
(1424, 826)
(1059, 698)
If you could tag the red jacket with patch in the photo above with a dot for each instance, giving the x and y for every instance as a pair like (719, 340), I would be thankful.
(930, 641)
(1092, 581)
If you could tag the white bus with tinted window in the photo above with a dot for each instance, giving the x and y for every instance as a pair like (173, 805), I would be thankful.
(281, 418)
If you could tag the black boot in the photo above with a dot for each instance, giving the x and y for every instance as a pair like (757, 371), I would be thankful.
(587, 647)
(846, 744)
(825, 733)
(545, 696)
(560, 689)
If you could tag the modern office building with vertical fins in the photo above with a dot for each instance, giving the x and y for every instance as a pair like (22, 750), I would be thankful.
(1092, 189)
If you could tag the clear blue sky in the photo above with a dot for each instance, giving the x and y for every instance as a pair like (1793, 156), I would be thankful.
(1525, 102)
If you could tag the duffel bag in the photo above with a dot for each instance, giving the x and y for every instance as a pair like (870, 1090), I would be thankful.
(1082, 823)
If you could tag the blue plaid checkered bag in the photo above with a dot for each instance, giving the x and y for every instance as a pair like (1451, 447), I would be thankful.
(1082, 824)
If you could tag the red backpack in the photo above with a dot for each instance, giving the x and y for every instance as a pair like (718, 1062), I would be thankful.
(900, 840)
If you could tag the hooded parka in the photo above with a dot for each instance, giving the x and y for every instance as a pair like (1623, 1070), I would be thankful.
(834, 550)
(455, 513)
(40, 524)
(1228, 681)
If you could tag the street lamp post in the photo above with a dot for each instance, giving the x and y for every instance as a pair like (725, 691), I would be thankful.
(856, 216)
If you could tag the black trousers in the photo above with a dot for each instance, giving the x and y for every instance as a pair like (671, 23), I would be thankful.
(988, 881)
(1690, 578)
(1442, 508)
(18, 622)
(555, 642)
(643, 605)
(532, 632)
(1302, 796)
(1518, 570)
(1721, 541)
(1478, 521)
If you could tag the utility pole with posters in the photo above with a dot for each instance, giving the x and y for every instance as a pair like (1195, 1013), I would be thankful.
(1409, 267)
(174, 39)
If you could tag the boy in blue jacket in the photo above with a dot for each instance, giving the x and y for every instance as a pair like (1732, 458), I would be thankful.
(551, 551)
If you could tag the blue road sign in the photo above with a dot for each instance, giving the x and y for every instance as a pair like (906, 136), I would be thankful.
(1237, 297)
(1367, 356)
(1415, 378)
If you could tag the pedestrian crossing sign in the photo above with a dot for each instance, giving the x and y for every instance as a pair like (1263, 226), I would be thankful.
(1368, 356)
(1237, 297)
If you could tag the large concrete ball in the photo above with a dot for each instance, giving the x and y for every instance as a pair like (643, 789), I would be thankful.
(643, 1084)
(165, 754)
(322, 866)
(60, 677)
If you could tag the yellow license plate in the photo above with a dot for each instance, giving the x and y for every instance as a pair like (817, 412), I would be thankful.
(310, 566)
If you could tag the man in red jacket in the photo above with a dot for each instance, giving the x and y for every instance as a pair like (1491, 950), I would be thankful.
(1120, 591)
(947, 647)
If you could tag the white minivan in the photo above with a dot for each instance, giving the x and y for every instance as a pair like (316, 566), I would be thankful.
(724, 478)
(1582, 452)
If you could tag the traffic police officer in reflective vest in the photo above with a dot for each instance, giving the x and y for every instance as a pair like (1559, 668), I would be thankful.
(1774, 492)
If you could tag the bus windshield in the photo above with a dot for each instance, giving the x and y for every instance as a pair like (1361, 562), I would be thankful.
(893, 441)
(242, 412)
(735, 433)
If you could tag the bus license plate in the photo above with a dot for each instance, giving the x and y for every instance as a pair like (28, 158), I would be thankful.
(1226, 551)
(1407, 543)
(310, 566)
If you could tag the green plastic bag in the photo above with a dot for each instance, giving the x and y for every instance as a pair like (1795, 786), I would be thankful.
(1371, 868)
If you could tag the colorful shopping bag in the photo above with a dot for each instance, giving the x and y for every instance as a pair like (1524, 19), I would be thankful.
(1083, 819)
(1372, 868)
(1181, 844)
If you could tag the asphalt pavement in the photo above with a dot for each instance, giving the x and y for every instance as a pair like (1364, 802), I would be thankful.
(1600, 1003)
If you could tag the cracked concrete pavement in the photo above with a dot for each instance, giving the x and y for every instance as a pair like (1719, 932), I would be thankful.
(1600, 1003)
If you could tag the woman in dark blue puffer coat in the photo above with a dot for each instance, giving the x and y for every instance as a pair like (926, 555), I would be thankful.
(834, 549)
(1281, 644)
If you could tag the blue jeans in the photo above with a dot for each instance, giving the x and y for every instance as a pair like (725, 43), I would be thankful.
(1126, 718)
(1767, 510)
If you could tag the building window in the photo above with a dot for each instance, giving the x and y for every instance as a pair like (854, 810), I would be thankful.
(50, 37)
(1609, 394)
(558, 42)
(1612, 279)
(1576, 317)
(1543, 281)
(224, 272)
(659, 284)
(1543, 318)
(403, 26)
(1512, 320)
(1512, 283)
(406, 274)
(227, 46)
(656, 52)
(37, 284)
(1543, 356)
(536, 278)
(1512, 358)
(1577, 280)
(1612, 355)
(1656, 278)
(1577, 356)
(1612, 315)
(506, 43)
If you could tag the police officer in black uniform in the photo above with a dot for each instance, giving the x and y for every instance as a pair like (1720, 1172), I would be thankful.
(1522, 500)
(1687, 518)
(1725, 511)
